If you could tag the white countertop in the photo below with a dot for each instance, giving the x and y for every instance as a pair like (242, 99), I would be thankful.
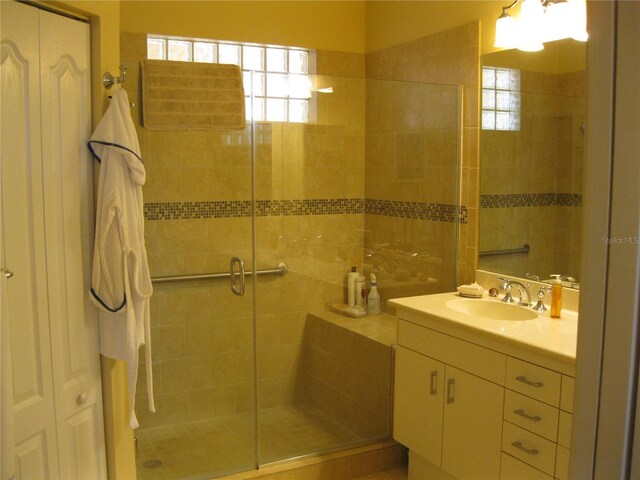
(543, 335)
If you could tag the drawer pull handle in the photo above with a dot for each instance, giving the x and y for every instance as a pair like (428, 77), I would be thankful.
(433, 389)
(523, 414)
(529, 451)
(524, 379)
(450, 386)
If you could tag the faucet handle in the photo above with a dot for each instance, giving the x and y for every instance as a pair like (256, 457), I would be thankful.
(543, 290)
(540, 306)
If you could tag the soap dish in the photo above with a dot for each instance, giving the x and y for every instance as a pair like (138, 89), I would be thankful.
(470, 291)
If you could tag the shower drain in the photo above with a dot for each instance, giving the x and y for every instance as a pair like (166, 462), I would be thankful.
(152, 463)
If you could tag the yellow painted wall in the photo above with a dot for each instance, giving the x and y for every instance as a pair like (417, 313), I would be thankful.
(327, 25)
(390, 22)
(104, 18)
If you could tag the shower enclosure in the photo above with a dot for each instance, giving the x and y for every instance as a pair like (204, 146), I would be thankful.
(371, 180)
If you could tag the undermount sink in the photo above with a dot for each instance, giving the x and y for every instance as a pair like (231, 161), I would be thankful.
(491, 309)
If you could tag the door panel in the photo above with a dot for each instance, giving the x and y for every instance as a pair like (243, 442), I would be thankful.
(47, 210)
(417, 415)
(471, 440)
(68, 200)
(24, 247)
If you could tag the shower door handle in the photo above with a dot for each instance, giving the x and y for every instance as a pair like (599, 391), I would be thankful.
(233, 274)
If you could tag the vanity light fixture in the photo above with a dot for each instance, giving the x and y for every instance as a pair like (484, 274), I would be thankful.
(541, 21)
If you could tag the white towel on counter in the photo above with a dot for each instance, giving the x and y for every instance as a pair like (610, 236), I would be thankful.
(120, 282)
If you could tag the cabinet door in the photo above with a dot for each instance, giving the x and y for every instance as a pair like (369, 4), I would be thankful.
(472, 433)
(418, 397)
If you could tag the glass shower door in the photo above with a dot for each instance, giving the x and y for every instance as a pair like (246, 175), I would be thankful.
(198, 218)
(367, 177)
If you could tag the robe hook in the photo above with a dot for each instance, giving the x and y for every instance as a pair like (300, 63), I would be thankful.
(108, 80)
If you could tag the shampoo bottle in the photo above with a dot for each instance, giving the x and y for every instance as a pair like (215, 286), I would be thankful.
(351, 286)
(556, 296)
(361, 292)
(373, 306)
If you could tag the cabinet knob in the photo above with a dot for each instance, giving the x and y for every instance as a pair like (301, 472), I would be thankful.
(82, 398)
(7, 273)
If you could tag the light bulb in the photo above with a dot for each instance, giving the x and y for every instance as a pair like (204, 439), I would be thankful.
(531, 25)
(578, 20)
(557, 21)
(506, 32)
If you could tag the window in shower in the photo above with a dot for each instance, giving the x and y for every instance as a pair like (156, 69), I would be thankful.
(278, 76)
(500, 99)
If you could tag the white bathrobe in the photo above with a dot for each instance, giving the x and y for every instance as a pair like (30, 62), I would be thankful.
(121, 283)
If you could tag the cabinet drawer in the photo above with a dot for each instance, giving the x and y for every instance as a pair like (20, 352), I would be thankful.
(512, 469)
(562, 463)
(534, 381)
(566, 396)
(532, 415)
(466, 356)
(564, 429)
(529, 447)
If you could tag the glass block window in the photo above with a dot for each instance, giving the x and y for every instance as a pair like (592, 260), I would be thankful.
(278, 76)
(500, 99)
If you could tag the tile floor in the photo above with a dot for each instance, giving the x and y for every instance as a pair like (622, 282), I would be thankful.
(224, 445)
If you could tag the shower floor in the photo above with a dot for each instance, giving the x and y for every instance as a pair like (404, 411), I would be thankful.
(224, 445)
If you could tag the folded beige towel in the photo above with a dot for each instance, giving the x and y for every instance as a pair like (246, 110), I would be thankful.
(186, 95)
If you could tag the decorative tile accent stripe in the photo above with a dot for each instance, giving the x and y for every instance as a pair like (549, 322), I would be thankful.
(437, 212)
(195, 210)
(321, 206)
(510, 200)
(318, 206)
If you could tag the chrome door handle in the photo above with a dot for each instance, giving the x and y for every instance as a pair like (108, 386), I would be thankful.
(520, 412)
(7, 273)
(232, 275)
(524, 379)
(433, 388)
(530, 451)
(450, 386)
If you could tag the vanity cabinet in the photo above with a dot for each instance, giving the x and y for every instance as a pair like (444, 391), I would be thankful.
(448, 416)
(476, 412)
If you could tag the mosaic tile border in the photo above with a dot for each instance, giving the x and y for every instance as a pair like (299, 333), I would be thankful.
(510, 200)
(320, 206)
(437, 212)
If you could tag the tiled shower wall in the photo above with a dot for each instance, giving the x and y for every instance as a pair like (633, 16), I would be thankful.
(531, 189)
(313, 213)
(448, 58)
(309, 192)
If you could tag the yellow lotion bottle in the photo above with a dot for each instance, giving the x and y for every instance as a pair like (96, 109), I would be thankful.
(556, 296)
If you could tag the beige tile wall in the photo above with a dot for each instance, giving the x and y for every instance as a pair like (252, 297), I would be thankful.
(452, 58)
(202, 333)
(349, 376)
(546, 155)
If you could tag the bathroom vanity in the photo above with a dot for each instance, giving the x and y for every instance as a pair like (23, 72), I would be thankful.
(483, 390)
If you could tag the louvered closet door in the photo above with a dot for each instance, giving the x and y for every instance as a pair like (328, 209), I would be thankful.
(46, 228)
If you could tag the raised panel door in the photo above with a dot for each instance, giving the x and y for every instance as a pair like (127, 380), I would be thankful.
(68, 200)
(26, 310)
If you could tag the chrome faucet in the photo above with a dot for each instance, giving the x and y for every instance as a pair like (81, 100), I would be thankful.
(507, 284)
(540, 306)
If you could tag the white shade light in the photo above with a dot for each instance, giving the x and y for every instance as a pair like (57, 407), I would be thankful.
(541, 22)
(578, 19)
(531, 25)
(506, 32)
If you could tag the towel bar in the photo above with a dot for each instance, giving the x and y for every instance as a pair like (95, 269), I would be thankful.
(507, 251)
(281, 270)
